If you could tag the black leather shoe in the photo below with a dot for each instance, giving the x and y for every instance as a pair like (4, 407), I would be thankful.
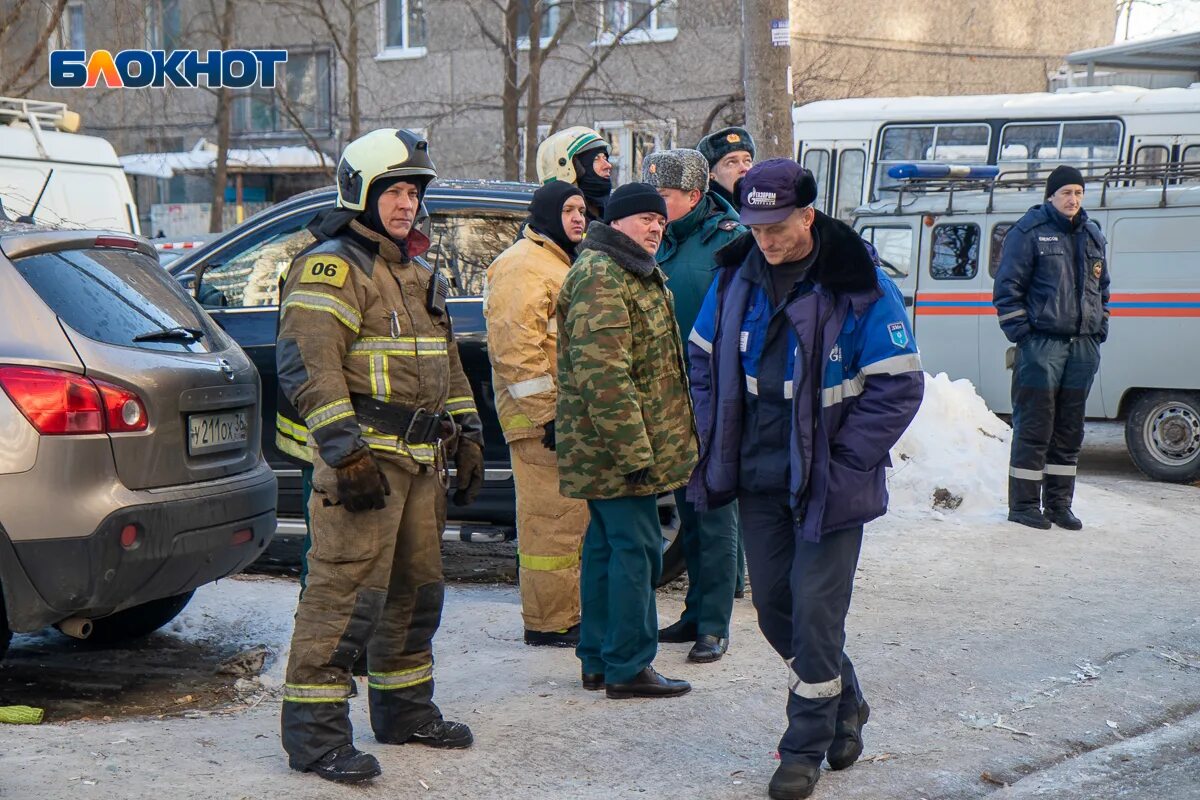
(437, 733)
(707, 649)
(847, 739)
(1063, 518)
(678, 633)
(739, 594)
(342, 765)
(647, 683)
(1031, 517)
(567, 638)
(593, 681)
(793, 782)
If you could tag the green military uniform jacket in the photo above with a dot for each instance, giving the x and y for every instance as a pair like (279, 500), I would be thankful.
(687, 255)
(623, 402)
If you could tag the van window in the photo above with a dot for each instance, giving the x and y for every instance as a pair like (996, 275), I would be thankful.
(247, 274)
(115, 296)
(955, 252)
(996, 246)
(1043, 144)
(1192, 153)
(894, 246)
(961, 143)
(1152, 154)
(817, 162)
(851, 164)
(466, 241)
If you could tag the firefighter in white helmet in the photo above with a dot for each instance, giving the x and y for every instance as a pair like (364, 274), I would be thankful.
(366, 355)
(578, 155)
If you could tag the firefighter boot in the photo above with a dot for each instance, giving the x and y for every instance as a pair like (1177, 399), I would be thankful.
(343, 764)
(793, 781)
(1025, 501)
(847, 739)
(1063, 518)
(444, 734)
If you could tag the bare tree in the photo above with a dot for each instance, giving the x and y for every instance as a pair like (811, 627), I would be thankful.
(14, 33)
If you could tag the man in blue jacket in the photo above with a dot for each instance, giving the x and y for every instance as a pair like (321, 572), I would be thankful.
(804, 374)
(1051, 295)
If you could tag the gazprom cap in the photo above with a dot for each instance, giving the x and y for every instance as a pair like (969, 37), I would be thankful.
(772, 189)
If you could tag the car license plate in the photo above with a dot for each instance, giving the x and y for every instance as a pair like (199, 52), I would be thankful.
(210, 433)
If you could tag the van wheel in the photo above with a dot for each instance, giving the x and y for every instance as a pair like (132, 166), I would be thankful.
(1162, 433)
(673, 562)
(133, 623)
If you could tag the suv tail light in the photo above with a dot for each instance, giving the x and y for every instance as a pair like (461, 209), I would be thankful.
(60, 403)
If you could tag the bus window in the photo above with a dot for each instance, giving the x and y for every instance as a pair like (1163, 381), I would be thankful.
(960, 143)
(1192, 153)
(1152, 154)
(999, 231)
(894, 246)
(955, 253)
(1040, 145)
(851, 165)
(817, 162)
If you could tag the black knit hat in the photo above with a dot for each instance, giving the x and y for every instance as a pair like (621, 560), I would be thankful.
(1063, 176)
(634, 198)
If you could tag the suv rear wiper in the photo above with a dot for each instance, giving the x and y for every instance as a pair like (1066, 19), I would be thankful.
(180, 334)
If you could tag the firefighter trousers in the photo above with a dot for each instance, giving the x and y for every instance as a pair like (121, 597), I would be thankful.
(374, 583)
(550, 531)
(802, 595)
(1052, 377)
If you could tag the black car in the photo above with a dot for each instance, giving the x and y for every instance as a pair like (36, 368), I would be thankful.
(236, 277)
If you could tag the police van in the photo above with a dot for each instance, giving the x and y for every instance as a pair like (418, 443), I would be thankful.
(65, 179)
(941, 238)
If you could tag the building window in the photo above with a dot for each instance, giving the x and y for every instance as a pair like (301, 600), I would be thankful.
(304, 104)
(402, 29)
(645, 21)
(955, 254)
(163, 26)
(549, 25)
(630, 142)
(73, 30)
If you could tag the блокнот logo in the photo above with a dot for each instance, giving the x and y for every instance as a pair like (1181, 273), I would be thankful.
(137, 69)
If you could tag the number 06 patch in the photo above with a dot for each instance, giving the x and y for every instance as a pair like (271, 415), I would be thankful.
(325, 269)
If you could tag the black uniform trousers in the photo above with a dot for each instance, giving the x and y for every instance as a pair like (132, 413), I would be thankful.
(1052, 377)
(801, 592)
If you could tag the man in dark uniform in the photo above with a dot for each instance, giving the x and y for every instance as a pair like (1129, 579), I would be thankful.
(1051, 295)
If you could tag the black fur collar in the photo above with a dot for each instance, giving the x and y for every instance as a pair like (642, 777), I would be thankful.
(843, 265)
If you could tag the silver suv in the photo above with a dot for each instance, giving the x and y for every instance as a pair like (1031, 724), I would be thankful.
(130, 467)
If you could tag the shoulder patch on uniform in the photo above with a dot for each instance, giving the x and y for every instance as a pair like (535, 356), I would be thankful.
(728, 225)
(325, 268)
(897, 333)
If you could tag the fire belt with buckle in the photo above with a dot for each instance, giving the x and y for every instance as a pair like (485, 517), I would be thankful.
(415, 426)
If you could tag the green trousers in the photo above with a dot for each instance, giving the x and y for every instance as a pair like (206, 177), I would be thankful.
(622, 562)
(710, 546)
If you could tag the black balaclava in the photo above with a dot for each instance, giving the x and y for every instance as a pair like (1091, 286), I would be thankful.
(370, 215)
(595, 189)
(545, 213)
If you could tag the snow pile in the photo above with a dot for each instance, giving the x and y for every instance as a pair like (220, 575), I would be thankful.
(955, 448)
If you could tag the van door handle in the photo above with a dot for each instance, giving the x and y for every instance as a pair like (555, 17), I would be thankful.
(908, 301)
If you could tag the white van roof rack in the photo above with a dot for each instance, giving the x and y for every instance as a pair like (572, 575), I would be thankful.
(37, 114)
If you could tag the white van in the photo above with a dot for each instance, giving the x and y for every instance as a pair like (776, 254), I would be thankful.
(88, 188)
(944, 249)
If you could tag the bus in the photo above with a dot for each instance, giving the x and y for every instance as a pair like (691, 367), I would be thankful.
(850, 144)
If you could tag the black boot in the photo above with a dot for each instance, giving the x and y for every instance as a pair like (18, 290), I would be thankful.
(1031, 517)
(437, 733)
(707, 649)
(593, 681)
(647, 683)
(793, 782)
(342, 765)
(847, 739)
(565, 638)
(678, 633)
(1063, 518)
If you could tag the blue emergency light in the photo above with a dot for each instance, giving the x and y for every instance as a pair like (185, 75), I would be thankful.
(927, 171)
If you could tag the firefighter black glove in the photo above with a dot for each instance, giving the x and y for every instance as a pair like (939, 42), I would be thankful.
(468, 462)
(361, 485)
(639, 477)
(548, 440)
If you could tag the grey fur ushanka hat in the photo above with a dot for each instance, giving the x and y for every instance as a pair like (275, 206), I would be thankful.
(676, 169)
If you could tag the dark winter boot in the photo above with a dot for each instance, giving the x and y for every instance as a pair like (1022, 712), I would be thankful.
(344, 764)
(444, 734)
(1031, 517)
(567, 638)
(1063, 518)
(847, 739)
(793, 782)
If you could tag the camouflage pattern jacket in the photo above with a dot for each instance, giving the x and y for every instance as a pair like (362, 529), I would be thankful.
(623, 401)
(355, 318)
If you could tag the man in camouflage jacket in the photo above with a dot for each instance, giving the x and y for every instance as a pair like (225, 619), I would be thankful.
(625, 433)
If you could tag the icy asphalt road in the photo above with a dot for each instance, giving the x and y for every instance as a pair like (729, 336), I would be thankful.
(1066, 665)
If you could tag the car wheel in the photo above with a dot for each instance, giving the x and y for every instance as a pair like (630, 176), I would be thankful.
(1162, 433)
(673, 560)
(138, 621)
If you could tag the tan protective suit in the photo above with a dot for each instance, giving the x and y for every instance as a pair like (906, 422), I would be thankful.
(523, 286)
